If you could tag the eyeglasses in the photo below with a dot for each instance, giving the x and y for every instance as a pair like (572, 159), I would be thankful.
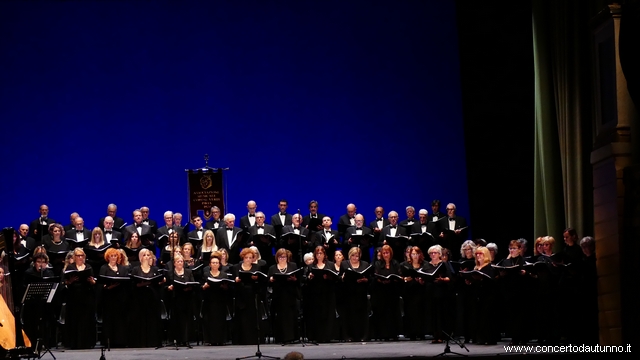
(449, 209)
(432, 253)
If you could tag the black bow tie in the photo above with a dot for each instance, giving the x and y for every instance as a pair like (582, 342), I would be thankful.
(358, 228)
(296, 228)
(229, 229)
(283, 214)
(452, 219)
(252, 215)
(393, 226)
(200, 230)
(327, 231)
(138, 225)
(378, 219)
(260, 227)
(107, 231)
(79, 231)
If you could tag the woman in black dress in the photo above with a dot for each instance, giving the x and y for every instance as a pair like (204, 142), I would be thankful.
(339, 328)
(146, 307)
(356, 317)
(248, 291)
(483, 289)
(321, 299)
(114, 294)
(284, 309)
(168, 251)
(182, 301)
(413, 295)
(438, 294)
(80, 325)
(386, 296)
(214, 307)
(133, 248)
(514, 286)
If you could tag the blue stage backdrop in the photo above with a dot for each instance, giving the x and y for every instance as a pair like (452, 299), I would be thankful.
(338, 101)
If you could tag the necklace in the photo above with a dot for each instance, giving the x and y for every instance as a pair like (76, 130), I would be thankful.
(282, 271)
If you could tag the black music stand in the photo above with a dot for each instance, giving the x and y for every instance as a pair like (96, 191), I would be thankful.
(447, 348)
(258, 354)
(41, 293)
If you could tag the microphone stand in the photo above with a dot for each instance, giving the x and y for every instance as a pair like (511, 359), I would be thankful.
(447, 348)
(259, 355)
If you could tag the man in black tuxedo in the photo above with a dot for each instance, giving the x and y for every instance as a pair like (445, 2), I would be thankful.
(315, 215)
(392, 230)
(162, 235)
(72, 222)
(291, 241)
(257, 238)
(435, 211)
(347, 220)
(216, 221)
(248, 220)
(453, 229)
(327, 238)
(110, 234)
(425, 226)
(407, 223)
(359, 229)
(118, 223)
(280, 219)
(24, 238)
(145, 220)
(144, 230)
(80, 235)
(199, 230)
(378, 224)
(43, 220)
(230, 237)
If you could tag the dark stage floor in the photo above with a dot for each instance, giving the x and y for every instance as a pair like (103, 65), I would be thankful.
(369, 350)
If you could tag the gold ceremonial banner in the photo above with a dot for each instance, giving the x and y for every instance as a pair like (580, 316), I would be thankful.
(205, 191)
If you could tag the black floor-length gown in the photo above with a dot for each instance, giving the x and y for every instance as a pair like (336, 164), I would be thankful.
(245, 331)
(145, 316)
(284, 309)
(114, 314)
(80, 321)
(215, 310)
(356, 316)
(321, 304)
(182, 308)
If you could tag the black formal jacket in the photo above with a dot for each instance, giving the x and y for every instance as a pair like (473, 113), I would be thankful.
(374, 223)
(165, 231)
(303, 231)
(130, 229)
(307, 219)
(209, 224)
(320, 238)
(253, 230)
(29, 242)
(34, 225)
(115, 234)
(244, 222)
(118, 224)
(73, 234)
(193, 234)
(223, 242)
(275, 219)
(352, 231)
(152, 224)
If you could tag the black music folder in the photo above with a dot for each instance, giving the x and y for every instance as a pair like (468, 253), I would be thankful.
(351, 275)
